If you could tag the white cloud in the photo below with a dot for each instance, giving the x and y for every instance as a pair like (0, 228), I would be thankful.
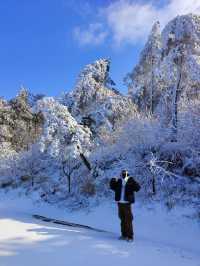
(130, 22)
(93, 35)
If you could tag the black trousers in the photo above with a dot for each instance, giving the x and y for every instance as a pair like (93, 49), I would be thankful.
(126, 217)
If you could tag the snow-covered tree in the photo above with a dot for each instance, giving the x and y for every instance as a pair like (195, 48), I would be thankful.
(20, 126)
(95, 101)
(62, 136)
(179, 41)
(60, 128)
(143, 80)
(168, 69)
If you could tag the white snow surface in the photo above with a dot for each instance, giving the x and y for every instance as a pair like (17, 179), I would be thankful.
(161, 237)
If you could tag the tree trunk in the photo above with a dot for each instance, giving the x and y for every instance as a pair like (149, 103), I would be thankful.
(69, 183)
(154, 185)
(85, 161)
(67, 174)
(152, 89)
(175, 106)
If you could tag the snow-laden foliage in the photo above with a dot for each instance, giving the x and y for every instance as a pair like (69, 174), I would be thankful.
(20, 126)
(45, 166)
(91, 87)
(61, 130)
(173, 72)
(189, 124)
(168, 171)
(179, 68)
(95, 102)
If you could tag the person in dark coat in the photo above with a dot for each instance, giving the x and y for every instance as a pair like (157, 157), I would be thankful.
(125, 188)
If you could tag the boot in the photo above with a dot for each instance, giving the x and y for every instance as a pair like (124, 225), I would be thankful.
(129, 239)
(122, 238)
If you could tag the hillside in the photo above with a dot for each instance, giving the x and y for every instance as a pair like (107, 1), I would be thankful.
(65, 149)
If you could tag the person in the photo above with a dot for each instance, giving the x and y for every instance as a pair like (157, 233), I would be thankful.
(125, 188)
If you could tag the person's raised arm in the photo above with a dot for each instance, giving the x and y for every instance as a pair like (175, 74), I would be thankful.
(113, 183)
(135, 185)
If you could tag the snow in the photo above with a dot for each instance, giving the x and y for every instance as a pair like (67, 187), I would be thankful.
(162, 238)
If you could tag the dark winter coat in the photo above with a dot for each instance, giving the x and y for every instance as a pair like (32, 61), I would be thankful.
(130, 187)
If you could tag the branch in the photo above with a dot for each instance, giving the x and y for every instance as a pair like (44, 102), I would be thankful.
(85, 161)
(153, 164)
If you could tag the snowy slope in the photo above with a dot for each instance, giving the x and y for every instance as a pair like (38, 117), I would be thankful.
(161, 239)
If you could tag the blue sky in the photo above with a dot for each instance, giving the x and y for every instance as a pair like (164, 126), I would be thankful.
(45, 43)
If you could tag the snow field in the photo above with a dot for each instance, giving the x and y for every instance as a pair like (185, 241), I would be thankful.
(162, 238)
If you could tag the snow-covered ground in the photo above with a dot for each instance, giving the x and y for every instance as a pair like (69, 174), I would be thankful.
(162, 238)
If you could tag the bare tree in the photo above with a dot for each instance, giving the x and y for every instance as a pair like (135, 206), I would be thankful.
(70, 161)
(67, 168)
